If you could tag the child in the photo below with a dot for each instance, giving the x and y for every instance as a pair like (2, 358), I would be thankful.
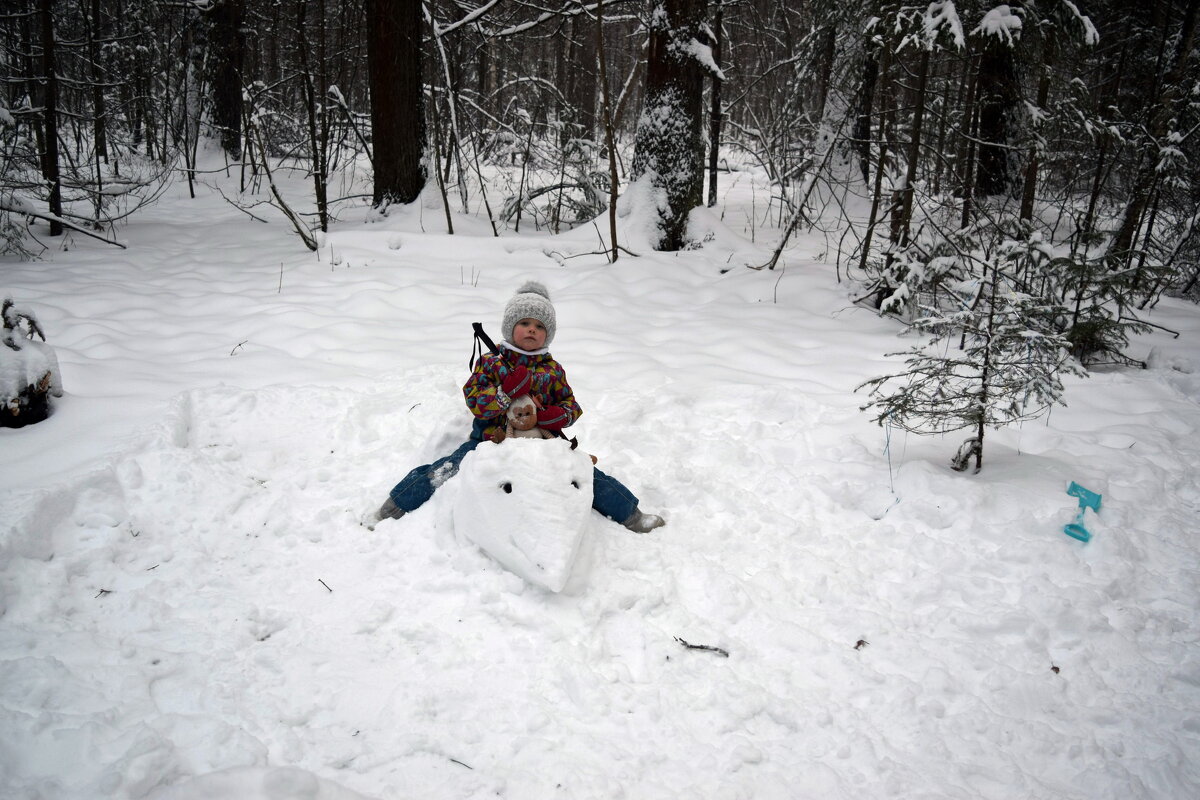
(523, 366)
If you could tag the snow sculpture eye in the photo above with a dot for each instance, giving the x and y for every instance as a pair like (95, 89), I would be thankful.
(507, 487)
(575, 484)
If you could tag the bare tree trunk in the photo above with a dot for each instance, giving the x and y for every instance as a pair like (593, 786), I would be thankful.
(668, 148)
(820, 96)
(1164, 110)
(397, 99)
(866, 107)
(998, 96)
(317, 128)
(881, 73)
(714, 120)
(1029, 185)
(609, 138)
(583, 95)
(29, 48)
(437, 161)
(966, 156)
(902, 212)
(229, 47)
(950, 100)
(623, 96)
(50, 166)
(99, 106)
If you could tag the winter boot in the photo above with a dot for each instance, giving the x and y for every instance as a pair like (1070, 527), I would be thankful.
(643, 523)
(389, 510)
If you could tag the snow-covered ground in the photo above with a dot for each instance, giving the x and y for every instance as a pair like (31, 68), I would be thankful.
(190, 609)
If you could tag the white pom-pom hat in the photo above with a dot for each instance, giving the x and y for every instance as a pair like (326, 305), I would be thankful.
(531, 301)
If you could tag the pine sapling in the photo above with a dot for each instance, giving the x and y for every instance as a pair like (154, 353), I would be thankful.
(993, 356)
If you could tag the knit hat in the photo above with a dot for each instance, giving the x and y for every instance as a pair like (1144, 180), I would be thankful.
(532, 301)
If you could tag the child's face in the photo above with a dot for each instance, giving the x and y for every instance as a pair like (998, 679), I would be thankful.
(523, 418)
(529, 334)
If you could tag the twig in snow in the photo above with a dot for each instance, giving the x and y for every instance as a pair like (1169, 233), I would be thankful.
(1174, 333)
(237, 347)
(101, 593)
(323, 583)
(718, 650)
(860, 644)
(461, 764)
(605, 252)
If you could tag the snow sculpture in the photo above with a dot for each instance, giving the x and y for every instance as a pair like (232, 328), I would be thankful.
(526, 503)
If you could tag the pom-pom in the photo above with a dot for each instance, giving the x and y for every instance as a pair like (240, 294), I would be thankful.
(535, 288)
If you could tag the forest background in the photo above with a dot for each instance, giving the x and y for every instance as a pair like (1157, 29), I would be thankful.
(1016, 178)
(188, 600)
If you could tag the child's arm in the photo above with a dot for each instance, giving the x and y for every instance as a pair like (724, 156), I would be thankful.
(482, 390)
(559, 407)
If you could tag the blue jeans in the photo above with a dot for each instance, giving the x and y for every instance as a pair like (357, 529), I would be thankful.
(609, 496)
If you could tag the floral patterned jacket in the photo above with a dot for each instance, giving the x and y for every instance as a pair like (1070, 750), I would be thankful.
(485, 399)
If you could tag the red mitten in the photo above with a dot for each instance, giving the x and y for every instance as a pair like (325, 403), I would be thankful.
(553, 418)
(516, 383)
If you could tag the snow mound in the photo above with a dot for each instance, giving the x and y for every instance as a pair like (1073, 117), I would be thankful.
(26, 367)
(526, 503)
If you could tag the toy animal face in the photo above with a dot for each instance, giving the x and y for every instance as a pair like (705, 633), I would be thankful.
(523, 418)
(527, 504)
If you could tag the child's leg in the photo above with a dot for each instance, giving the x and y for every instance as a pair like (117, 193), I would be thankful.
(418, 486)
(611, 498)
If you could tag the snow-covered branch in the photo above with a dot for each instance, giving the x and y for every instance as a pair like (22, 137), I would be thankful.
(23, 207)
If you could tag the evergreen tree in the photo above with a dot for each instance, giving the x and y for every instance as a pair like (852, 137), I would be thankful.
(994, 355)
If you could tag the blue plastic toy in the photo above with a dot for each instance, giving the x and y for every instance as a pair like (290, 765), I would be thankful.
(1087, 499)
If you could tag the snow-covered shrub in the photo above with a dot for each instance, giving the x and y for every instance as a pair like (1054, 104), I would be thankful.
(995, 351)
(18, 173)
(1098, 301)
(568, 201)
(28, 369)
(12, 235)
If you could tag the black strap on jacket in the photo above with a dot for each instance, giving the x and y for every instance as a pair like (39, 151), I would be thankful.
(481, 338)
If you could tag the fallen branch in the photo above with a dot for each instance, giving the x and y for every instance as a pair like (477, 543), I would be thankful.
(242, 208)
(301, 229)
(810, 185)
(607, 250)
(16, 206)
(335, 94)
(718, 650)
